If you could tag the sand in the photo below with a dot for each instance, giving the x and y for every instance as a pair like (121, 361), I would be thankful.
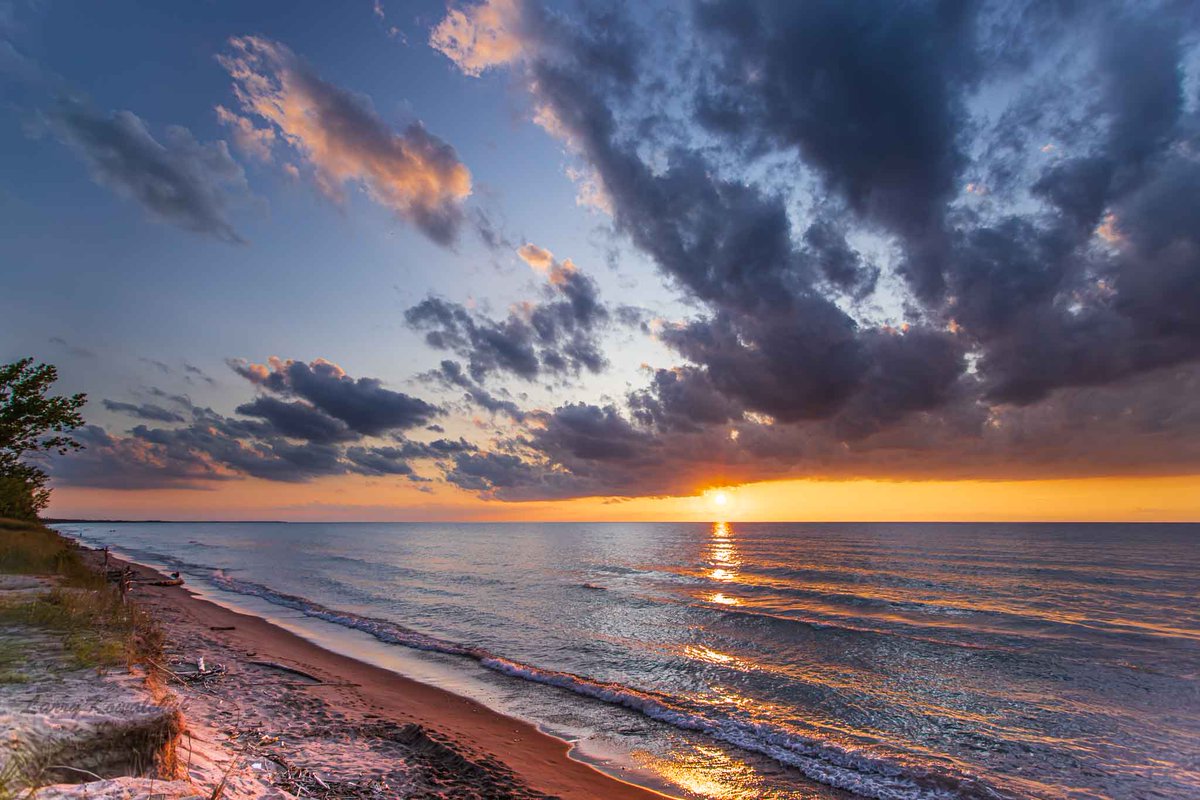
(363, 727)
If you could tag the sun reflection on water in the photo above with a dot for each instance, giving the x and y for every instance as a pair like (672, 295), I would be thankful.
(708, 655)
(723, 561)
(704, 771)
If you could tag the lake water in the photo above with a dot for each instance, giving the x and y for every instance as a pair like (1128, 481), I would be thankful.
(764, 660)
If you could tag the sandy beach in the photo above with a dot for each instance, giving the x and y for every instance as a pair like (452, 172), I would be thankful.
(354, 725)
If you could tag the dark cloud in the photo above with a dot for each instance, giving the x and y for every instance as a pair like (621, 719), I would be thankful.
(146, 411)
(682, 399)
(450, 373)
(578, 431)
(557, 335)
(1145, 426)
(1051, 258)
(297, 439)
(229, 446)
(178, 180)
(363, 404)
(298, 420)
(112, 462)
(870, 95)
(834, 260)
(497, 474)
(378, 460)
(437, 449)
(800, 363)
(488, 346)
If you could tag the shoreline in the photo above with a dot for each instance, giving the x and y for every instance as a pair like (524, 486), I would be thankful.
(362, 691)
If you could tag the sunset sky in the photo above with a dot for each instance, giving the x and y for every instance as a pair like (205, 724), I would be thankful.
(514, 259)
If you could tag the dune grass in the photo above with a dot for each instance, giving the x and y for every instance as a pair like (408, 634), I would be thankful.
(98, 628)
(27, 548)
(10, 661)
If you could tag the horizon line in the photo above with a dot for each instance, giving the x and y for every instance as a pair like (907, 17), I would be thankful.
(60, 520)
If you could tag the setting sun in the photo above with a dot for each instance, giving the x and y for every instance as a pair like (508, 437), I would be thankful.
(720, 499)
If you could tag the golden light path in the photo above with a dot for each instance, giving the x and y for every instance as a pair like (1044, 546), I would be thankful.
(723, 561)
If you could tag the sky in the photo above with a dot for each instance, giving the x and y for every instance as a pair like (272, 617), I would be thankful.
(513, 259)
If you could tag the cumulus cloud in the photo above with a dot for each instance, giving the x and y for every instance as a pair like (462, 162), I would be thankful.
(298, 420)
(312, 420)
(363, 405)
(114, 462)
(1147, 426)
(177, 180)
(1034, 285)
(537, 257)
(557, 335)
(411, 172)
(481, 36)
(450, 373)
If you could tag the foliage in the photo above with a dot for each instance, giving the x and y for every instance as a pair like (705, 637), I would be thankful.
(31, 423)
(23, 492)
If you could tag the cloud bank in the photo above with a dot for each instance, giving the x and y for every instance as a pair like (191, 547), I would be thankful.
(976, 253)
(311, 420)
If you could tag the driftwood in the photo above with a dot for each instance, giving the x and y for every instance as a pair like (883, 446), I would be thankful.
(170, 582)
(322, 684)
(303, 782)
(222, 627)
(202, 674)
(285, 668)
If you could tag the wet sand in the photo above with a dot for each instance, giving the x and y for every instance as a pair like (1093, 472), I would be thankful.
(362, 723)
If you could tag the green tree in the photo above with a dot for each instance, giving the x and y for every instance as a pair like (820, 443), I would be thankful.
(31, 423)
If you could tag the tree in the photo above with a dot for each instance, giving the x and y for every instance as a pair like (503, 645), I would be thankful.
(31, 424)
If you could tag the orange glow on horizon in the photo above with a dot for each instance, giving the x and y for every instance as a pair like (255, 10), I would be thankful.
(1164, 499)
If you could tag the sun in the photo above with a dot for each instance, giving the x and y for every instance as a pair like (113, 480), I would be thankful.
(721, 499)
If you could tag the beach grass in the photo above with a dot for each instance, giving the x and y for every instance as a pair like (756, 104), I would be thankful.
(27, 548)
(99, 628)
(10, 661)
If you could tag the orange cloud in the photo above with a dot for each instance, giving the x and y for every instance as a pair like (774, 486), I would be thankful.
(537, 257)
(250, 140)
(480, 37)
(542, 260)
(411, 172)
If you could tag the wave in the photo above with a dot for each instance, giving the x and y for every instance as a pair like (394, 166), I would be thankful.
(866, 774)
(382, 630)
(845, 625)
